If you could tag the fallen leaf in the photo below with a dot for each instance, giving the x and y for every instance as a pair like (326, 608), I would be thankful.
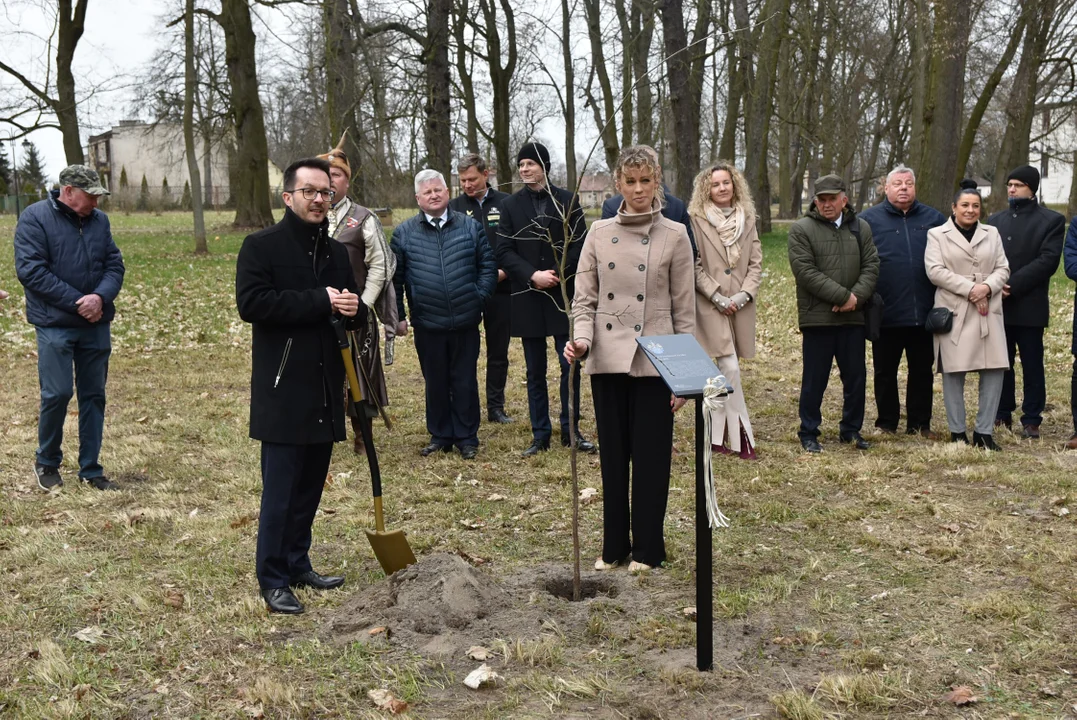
(782, 640)
(689, 612)
(473, 524)
(480, 676)
(34, 654)
(192, 513)
(174, 598)
(142, 419)
(91, 634)
(588, 495)
(379, 630)
(136, 518)
(473, 559)
(1048, 691)
(243, 520)
(1062, 511)
(960, 695)
(478, 652)
(385, 700)
(81, 690)
(952, 527)
(495, 498)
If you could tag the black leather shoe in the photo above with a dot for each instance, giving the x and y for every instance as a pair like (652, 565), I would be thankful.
(433, 448)
(497, 415)
(535, 448)
(100, 483)
(985, 441)
(582, 443)
(281, 600)
(959, 437)
(311, 579)
(1004, 422)
(468, 452)
(856, 439)
(811, 445)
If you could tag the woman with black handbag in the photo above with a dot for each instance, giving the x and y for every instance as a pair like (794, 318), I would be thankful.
(967, 264)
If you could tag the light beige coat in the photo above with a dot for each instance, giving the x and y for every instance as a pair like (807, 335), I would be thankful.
(634, 279)
(719, 334)
(955, 265)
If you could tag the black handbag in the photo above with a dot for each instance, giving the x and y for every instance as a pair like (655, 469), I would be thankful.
(940, 320)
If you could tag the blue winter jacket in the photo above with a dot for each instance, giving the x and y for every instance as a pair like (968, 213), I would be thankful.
(901, 239)
(447, 273)
(59, 257)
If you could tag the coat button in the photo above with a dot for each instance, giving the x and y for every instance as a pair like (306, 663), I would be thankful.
(611, 266)
(319, 420)
(645, 240)
(728, 271)
(609, 326)
(610, 296)
(638, 328)
(642, 267)
(614, 240)
(640, 297)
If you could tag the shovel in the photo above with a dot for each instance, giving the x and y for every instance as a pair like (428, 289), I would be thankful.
(391, 548)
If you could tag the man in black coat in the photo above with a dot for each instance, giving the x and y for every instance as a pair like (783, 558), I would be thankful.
(674, 208)
(531, 238)
(481, 201)
(1032, 237)
(290, 280)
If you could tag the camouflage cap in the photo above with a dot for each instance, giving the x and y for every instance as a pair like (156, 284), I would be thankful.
(829, 185)
(84, 178)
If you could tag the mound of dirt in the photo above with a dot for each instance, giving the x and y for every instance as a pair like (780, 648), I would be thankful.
(439, 593)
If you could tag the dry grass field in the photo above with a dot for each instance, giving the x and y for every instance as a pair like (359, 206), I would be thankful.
(849, 585)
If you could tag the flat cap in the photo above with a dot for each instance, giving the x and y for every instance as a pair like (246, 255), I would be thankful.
(829, 185)
(84, 178)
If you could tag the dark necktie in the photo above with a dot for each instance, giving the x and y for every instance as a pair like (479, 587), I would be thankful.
(436, 222)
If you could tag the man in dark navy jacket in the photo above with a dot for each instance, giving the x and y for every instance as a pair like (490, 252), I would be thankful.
(1069, 262)
(899, 226)
(291, 279)
(673, 209)
(446, 268)
(72, 271)
(1032, 237)
(483, 203)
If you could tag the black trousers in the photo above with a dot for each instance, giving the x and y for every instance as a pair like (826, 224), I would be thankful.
(497, 322)
(293, 477)
(1073, 394)
(919, 349)
(635, 443)
(821, 346)
(538, 398)
(1029, 340)
(449, 361)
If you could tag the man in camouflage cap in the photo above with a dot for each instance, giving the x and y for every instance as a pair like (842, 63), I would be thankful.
(72, 272)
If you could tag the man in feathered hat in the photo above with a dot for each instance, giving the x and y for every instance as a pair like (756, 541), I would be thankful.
(359, 230)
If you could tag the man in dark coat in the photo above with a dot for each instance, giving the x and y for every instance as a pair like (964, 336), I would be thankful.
(899, 226)
(72, 270)
(290, 280)
(541, 224)
(1032, 237)
(836, 267)
(446, 268)
(1069, 261)
(482, 202)
(673, 209)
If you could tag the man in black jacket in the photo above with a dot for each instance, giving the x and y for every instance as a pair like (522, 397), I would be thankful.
(290, 280)
(540, 225)
(1032, 237)
(481, 201)
(446, 268)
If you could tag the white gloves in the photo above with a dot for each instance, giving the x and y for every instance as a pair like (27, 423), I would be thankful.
(741, 299)
(721, 301)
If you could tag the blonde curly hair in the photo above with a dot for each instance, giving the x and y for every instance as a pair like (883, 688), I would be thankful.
(701, 192)
(640, 156)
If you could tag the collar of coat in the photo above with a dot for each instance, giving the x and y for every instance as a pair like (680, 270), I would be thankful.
(299, 228)
(1023, 205)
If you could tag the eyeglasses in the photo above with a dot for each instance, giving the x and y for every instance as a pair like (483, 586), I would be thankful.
(1015, 185)
(310, 193)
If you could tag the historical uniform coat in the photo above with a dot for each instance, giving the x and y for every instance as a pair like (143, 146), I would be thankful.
(719, 334)
(955, 265)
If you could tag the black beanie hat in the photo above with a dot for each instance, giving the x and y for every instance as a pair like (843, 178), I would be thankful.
(535, 151)
(1028, 175)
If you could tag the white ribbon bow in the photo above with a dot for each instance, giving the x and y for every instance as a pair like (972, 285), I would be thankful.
(714, 395)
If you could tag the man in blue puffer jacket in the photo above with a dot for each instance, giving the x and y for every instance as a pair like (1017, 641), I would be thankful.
(446, 268)
(899, 226)
(72, 271)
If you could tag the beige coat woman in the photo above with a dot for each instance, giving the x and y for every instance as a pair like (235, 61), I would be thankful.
(955, 265)
(634, 279)
(721, 335)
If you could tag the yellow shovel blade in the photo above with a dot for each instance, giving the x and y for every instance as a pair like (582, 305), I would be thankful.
(392, 550)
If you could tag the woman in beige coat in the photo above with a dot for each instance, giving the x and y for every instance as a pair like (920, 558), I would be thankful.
(727, 273)
(634, 279)
(966, 262)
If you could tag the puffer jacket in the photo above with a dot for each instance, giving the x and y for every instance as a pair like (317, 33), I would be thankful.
(447, 274)
(828, 263)
(901, 238)
(59, 257)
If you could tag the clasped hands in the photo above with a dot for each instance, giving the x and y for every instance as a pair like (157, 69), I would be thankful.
(849, 305)
(730, 305)
(578, 349)
(344, 302)
(90, 307)
(979, 296)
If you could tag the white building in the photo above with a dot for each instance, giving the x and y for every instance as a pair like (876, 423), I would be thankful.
(1053, 156)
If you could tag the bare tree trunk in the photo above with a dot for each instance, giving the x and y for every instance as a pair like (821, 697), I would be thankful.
(920, 46)
(461, 18)
(685, 66)
(641, 23)
(1071, 208)
(438, 127)
(627, 50)
(606, 116)
(569, 96)
(70, 31)
(501, 80)
(341, 96)
(190, 82)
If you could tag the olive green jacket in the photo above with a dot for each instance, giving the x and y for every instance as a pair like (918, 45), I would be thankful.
(828, 263)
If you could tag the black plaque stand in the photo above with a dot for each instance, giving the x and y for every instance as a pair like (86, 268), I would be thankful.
(685, 367)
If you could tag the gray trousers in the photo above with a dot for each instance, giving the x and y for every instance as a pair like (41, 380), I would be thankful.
(953, 396)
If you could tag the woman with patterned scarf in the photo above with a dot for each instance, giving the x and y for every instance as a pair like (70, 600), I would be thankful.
(728, 272)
